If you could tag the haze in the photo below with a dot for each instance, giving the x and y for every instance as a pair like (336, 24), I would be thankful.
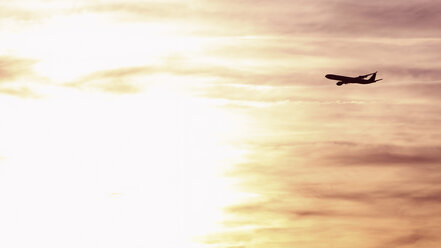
(210, 124)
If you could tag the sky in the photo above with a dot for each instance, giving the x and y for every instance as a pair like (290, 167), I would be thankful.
(210, 124)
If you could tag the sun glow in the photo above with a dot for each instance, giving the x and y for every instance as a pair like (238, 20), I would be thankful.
(118, 171)
(68, 47)
(112, 169)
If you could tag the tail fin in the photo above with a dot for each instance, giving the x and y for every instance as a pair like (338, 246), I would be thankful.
(372, 78)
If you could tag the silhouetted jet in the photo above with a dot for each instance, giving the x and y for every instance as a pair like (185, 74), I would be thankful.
(354, 80)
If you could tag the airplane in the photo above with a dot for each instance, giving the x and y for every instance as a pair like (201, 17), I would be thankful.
(354, 80)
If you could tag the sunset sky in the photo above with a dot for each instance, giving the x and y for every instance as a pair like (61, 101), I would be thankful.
(210, 124)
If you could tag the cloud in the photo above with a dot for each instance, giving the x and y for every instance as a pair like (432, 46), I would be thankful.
(421, 76)
(353, 154)
(304, 184)
(326, 163)
(300, 17)
(23, 92)
(374, 18)
(287, 209)
(12, 68)
(30, 12)
(13, 72)
(10, 13)
(145, 11)
(410, 239)
(216, 78)
(388, 156)
(380, 196)
(113, 80)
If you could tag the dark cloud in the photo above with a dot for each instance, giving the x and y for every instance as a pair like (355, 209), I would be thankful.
(414, 197)
(361, 154)
(284, 223)
(389, 156)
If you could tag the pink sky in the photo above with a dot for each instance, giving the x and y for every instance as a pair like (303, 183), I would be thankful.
(211, 122)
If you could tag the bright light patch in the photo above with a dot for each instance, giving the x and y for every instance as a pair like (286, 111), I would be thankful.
(105, 171)
(68, 47)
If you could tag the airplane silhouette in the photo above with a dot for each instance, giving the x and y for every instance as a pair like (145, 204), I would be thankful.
(354, 80)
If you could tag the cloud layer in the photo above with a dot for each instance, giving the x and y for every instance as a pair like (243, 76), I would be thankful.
(327, 166)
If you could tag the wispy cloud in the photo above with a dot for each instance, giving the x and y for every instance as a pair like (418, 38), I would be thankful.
(391, 19)
(18, 14)
(113, 80)
(410, 239)
(328, 166)
(136, 11)
(23, 92)
(12, 68)
(14, 71)
(387, 155)
(374, 18)
(308, 184)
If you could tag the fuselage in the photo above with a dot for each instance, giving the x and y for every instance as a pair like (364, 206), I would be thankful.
(349, 80)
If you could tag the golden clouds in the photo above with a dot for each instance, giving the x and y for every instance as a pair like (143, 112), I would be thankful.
(12, 68)
(15, 73)
(143, 105)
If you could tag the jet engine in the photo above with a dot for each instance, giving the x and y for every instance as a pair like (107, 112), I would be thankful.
(339, 83)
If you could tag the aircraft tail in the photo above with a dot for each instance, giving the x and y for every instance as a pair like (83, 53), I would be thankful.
(372, 78)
